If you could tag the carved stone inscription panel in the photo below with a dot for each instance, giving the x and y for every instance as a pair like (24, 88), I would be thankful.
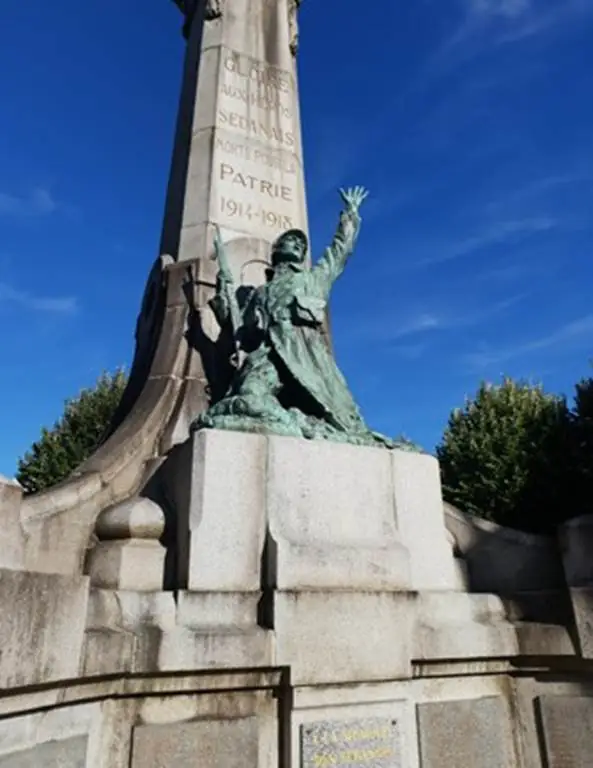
(257, 167)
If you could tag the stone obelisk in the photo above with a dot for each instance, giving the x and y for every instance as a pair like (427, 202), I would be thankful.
(237, 159)
(237, 163)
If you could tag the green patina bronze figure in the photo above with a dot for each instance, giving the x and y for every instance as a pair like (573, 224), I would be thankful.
(287, 381)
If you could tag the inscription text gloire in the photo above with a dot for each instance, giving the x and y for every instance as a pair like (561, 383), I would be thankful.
(255, 149)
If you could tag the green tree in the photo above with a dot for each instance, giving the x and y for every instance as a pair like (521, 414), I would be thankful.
(581, 480)
(505, 455)
(72, 439)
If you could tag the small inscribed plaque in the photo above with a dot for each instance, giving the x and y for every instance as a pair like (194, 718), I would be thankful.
(371, 742)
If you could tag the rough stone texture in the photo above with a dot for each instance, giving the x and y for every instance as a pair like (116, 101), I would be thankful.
(12, 539)
(332, 517)
(70, 753)
(582, 606)
(420, 520)
(209, 743)
(218, 609)
(567, 730)
(576, 541)
(329, 637)
(135, 564)
(62, 737)
(472, 733)
(501, 560)
(41, 627)
(457, 625)
(141, 632)
(226, 515)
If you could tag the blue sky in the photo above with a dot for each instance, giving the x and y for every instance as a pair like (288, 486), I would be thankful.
(471, 122)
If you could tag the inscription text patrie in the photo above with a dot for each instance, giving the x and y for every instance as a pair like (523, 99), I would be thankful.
(256, 144)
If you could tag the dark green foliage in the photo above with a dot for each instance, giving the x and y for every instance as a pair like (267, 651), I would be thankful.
(582, 453)
(506, 455)
(60, 450)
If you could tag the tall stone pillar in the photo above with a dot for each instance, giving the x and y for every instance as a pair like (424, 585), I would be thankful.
(238, 157)
(237, 162)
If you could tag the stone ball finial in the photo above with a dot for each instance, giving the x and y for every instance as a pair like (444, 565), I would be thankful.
(138, 518)
(128, 554)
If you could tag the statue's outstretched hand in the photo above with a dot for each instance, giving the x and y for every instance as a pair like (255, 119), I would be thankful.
(353, 198)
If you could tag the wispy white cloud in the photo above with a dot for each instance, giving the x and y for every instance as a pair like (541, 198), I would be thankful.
(40, 202)
(501, 232)
(506, 21)
(415, 324)
(537, 188)
(486, 24)
(386, 329)
(572, 332)
(62, 305)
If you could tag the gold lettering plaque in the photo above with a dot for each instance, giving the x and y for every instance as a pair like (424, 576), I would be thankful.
(366, 743)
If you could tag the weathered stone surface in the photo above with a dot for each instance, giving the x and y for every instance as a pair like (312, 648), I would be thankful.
(189, 648)
(567, 730)
(41, 627)
(139, 632)
(330, 637)
(135, 564)
(455, 625)
(473, 732)
(582, 606)
(576, 541)
(339, 517)
(332, 517)
(137, 518)
(355, 743)
(226, 518)
(502, 560)
(12, 539)
(252, 182)
(70, 753)
(209, 743)
(238, 610)
(420, 521)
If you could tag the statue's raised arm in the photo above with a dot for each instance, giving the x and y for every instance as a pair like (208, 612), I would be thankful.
(332, 263)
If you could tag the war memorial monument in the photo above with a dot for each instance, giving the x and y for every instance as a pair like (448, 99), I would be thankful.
(244, 574)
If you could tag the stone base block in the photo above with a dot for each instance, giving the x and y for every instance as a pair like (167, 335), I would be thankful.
(344, 636)
(132, 631)
(456, 625)
(332, 517)
(225, 521)
(135, 564)
(420, 518)
(215, 648)
(294, 514)
(234, 610)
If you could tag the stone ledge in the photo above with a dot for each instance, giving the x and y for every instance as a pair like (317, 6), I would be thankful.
(125, 685)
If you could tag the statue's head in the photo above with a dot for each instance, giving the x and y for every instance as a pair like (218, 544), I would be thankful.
(290, 248)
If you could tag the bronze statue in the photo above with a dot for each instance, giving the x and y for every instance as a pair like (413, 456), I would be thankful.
(288, 382)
